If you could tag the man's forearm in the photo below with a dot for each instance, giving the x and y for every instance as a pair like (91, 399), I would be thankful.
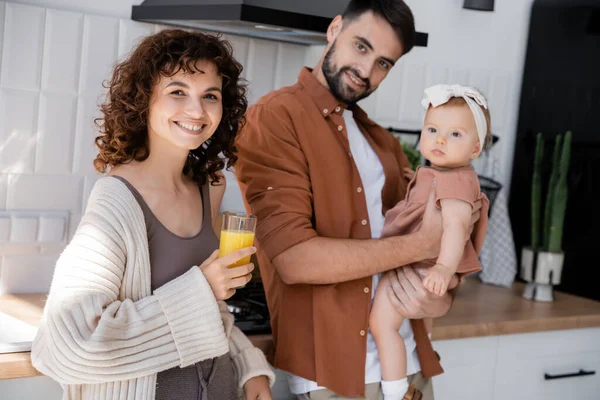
(327, 261)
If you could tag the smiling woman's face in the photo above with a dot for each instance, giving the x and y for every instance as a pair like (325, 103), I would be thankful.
(186, 109)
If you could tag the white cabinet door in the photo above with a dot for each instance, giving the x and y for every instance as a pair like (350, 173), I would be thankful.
(527, 379)
(469, 366)
(526, 362)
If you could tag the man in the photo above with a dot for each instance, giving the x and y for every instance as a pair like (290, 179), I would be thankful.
(319, 175)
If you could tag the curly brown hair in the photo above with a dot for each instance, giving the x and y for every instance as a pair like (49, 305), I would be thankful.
(124, 124)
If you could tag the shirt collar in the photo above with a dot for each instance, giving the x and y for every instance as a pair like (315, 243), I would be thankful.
(325, 101)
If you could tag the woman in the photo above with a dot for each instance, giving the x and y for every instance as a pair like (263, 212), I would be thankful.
(135, 309)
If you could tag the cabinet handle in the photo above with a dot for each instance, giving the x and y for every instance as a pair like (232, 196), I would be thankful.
(571, 375)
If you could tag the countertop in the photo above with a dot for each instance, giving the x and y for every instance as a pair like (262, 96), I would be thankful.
(478, 310)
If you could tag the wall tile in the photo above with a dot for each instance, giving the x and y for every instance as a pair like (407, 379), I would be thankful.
(458, 75)
(24, 230)
(413, 84)
(369, 105)
(51, 250)
(27, 273)
(500, 91)
(88, 183)
(2, 19)
(436, 74)
(17, 249)
(18, 113)
(23, 44)
(44, 192)
(480, 80)
(85, 133)
(290, 60)
(388, 95)
(56, 132)
(3, 188)
(313, 55)
(62, 51)
(74, 220)
(240, 46)
(51, 230)
(100, 46)
(130, 33)
(5, 224)
(262, 60)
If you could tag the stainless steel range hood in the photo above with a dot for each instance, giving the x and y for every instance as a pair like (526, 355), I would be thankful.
(295, 21)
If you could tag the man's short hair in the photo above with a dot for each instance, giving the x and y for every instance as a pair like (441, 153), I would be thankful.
(395, 12)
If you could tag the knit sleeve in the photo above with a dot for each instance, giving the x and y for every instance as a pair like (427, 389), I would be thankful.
(248, 360)
(88, 335)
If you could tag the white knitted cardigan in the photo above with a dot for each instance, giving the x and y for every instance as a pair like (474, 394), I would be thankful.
(105, 335)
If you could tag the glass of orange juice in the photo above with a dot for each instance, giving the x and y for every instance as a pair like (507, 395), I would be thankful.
(237, 232)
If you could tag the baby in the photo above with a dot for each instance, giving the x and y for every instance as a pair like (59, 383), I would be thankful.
(455, 131)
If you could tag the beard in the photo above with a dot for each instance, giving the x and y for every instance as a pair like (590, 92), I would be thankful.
(335, 79)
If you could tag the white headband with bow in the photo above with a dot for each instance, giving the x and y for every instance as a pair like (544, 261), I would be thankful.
(440, 94)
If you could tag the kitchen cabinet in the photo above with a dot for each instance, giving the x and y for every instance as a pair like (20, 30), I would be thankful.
(493, 345)
(527, 366)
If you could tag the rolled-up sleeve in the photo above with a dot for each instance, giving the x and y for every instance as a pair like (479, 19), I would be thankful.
(272, 171)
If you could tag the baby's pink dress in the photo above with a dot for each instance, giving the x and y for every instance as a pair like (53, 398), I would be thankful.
(459, 183)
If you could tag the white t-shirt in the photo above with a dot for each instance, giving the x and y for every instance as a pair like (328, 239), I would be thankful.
(372, 176)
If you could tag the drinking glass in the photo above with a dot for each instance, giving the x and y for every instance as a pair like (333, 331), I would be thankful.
(237, 232)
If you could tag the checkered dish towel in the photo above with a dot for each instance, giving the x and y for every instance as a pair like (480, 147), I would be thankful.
(498, 257)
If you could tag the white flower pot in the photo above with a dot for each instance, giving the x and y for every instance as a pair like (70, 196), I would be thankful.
(542, 271)
(538, 292)
(548, 269)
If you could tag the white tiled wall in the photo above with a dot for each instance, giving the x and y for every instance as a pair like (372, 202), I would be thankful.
(53, 63)
(52, 66)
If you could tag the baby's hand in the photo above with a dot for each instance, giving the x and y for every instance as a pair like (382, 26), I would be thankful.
(438, 278)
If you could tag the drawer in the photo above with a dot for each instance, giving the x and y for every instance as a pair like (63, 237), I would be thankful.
(551, 343)
(471, 351)
(469, 366)
(524, 377)
(465, 382)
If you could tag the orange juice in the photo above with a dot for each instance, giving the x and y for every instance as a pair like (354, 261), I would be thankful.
(235, 240)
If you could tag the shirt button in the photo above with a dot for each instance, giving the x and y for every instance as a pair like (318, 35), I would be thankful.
(325, 111)
(359, 189)
(362, 333)
(270, 188)
(340, 128)
(366, 289)
(364, 222)
(337, 109)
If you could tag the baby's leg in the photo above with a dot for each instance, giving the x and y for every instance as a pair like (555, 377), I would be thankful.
(385, 323)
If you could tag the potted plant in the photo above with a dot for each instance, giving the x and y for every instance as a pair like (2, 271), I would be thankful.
(542, 261)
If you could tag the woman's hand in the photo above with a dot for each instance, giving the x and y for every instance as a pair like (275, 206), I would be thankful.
(222, 279)
(258, 388)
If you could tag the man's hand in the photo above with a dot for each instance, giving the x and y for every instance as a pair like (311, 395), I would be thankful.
(409, 173)
(258, 388)
(411, 299)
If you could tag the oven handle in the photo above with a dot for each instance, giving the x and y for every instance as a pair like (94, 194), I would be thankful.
(581, 372)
